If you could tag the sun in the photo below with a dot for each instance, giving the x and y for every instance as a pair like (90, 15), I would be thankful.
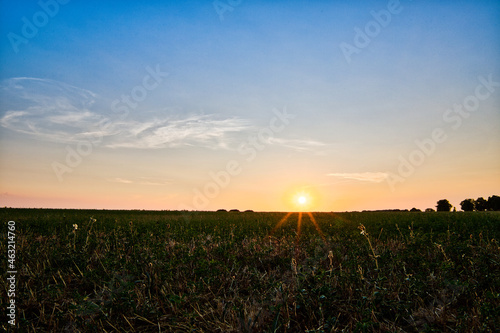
(301, 198)
(302, 201)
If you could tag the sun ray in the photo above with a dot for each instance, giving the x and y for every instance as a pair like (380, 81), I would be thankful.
(283, 220)
(297, 238)
(299, 226)
(316, 225)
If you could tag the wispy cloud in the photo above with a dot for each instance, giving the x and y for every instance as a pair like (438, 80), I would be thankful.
(47, 109)
(140, 181)
(194, 130)
(120, 180)
(54, 111)
(372, 177)
(301, 145)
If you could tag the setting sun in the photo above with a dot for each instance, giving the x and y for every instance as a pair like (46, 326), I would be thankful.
(302, 201)
(301, 198)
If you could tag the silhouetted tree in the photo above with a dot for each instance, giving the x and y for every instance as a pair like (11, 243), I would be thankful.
(468, 205)
(481, 204)
(494, 203)
(428, 210)
(415, 210)
(443, 206)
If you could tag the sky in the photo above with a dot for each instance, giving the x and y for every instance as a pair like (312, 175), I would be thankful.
(243, 104)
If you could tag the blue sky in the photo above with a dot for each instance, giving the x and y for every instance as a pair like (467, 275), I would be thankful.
(352, 120)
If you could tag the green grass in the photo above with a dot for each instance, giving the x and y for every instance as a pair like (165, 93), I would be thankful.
(228, 272)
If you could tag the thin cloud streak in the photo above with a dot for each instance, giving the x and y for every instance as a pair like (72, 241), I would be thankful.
(372, 177)
(301, 145)
(140, 181)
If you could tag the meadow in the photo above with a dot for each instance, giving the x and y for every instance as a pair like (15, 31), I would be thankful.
(156, 271)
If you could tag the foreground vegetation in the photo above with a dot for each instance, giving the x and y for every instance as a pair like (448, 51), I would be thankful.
(140, 271)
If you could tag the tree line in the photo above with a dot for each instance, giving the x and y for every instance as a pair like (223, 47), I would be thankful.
(470, 205)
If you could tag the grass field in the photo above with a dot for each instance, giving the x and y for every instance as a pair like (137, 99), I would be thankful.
(143, 271)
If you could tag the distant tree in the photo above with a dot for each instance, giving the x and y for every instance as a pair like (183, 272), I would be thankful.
(481, 204)
(468, 205)
(428, 210)
(415, 210)
(494, 203)
(221, 210)
(235, 210)
(443, 206)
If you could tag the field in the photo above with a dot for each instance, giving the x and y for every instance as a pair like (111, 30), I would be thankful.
(143, 271)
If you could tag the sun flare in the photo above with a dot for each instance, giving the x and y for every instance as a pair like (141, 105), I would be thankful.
(302, 201)
(301, 198)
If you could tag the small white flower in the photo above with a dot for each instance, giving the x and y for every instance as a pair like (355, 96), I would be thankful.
(363, 229)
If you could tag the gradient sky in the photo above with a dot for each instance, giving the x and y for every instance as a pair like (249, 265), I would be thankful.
(139, 105)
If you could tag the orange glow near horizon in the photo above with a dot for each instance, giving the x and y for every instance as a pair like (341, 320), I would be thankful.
(23, 190)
